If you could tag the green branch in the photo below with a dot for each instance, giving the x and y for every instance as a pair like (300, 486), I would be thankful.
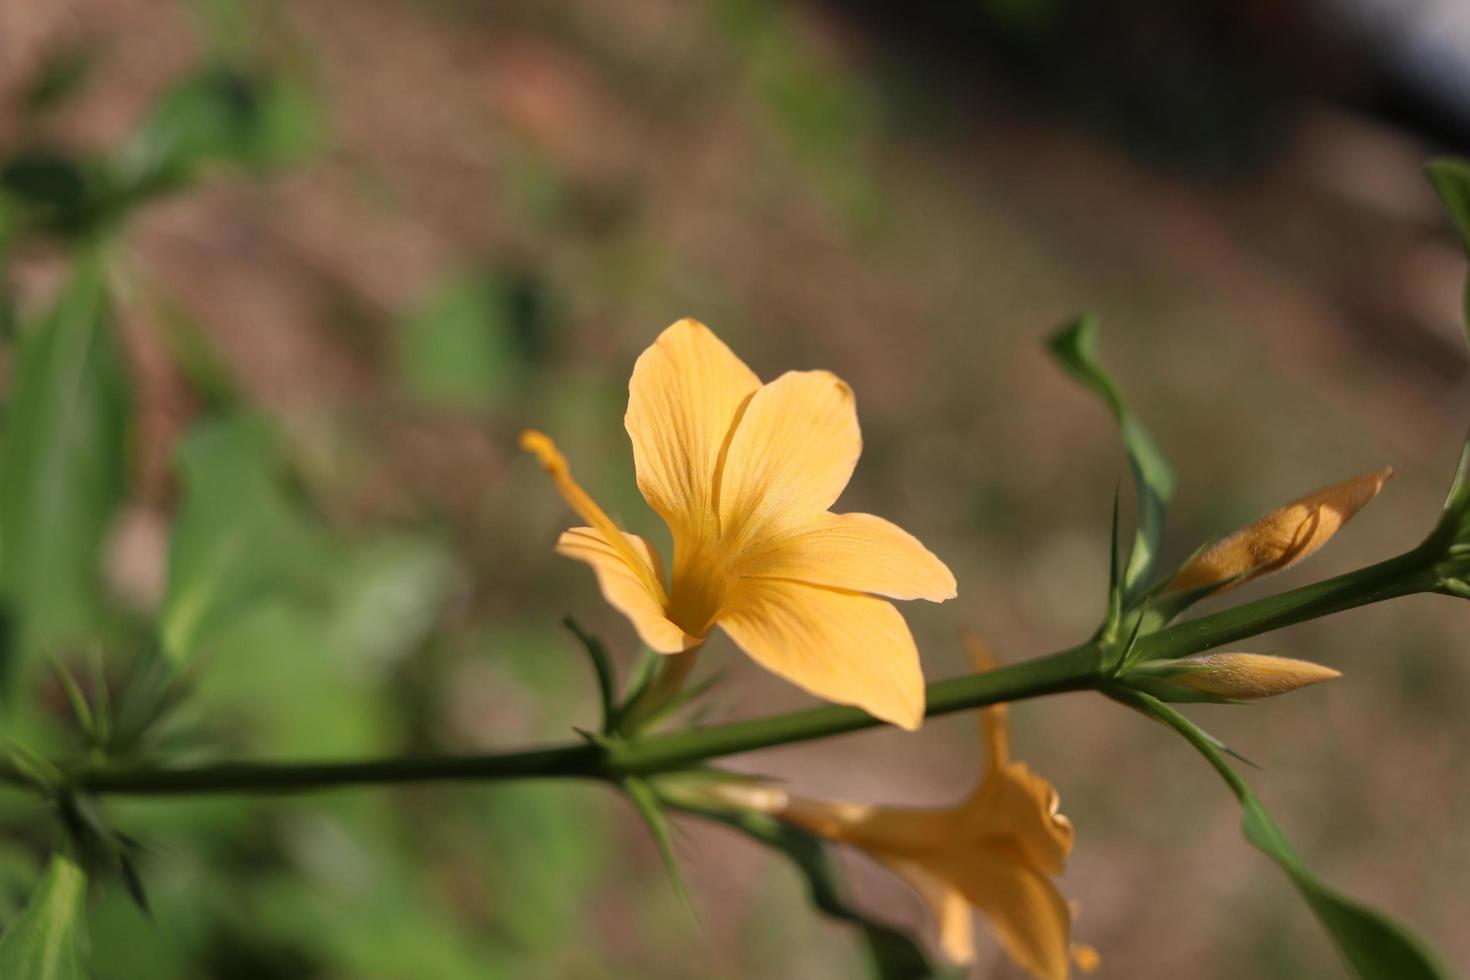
(1075, 669)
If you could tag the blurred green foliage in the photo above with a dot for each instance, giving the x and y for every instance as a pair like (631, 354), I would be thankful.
(62, 470)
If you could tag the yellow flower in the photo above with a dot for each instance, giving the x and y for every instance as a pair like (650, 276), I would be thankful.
(743, 474)
(1248, 676)
(997, 852)
(1281, 538)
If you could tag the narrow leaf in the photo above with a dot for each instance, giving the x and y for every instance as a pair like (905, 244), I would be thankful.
(602, 666)
(1075, 348)
(222, 115)
(62, 467)
(48, 941)
(1373, 945)
(651, 809)
(1451, 180)
(239, 536)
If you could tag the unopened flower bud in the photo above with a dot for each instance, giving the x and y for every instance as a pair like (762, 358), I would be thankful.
(1281, 538)
(1248, 676)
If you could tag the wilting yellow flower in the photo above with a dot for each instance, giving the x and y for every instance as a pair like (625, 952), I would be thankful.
(743, 474)
(1281, 538)
(997, 852)
(1248, 676)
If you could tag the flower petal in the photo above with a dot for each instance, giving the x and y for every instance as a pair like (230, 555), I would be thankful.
(842, 646)
(625, 588)
(952, 913)
(791, 455)
(1023, 907)
(1281, 538)
(685, 393)
(857, 552)
(1015, 803)
(995, 727)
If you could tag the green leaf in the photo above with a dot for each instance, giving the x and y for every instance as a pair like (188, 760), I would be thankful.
(222, 115)
(895, 955)
(1075, 348)
(603, 667)
(48, 941)
(1373, 945)
(62, 467)
(1114, 618)
(1451, 179)
(238, 536)
(1455, 517)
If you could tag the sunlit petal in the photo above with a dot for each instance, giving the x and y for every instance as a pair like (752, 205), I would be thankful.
(625, 588)
(790, 457)
(843, 646)
(857, 552)
(685, 393)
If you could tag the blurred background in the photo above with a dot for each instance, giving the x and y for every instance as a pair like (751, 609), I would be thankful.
(416, 228)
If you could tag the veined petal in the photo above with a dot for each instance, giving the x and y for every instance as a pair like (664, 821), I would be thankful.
(683, 399)
(842, 646)
(1022, 905)
(625, 588)
(791, 455)
(857, 552)
(952, 913)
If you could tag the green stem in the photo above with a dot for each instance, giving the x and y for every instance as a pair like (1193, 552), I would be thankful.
(1073, 669)
(1403, 575)
(1070, 670)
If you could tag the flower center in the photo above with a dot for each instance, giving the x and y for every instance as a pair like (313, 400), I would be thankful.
(701, 578)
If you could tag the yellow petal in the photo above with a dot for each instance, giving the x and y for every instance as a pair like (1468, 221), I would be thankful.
(791, 455)
(841, 646)
(995, 729)
(1283, 537)
(539, 444)
(1248, 676)
(1011, 800)
(626, 588)
(889, 829)
(684, 396)
(1015, 803)
(1022, 905)
(952, 913)
(857, 552)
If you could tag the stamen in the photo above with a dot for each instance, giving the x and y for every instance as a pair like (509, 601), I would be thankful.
(539, 444)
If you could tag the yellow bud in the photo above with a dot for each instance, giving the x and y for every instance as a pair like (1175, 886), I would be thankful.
(1247, 676)
(733, 795)
(1281, 538)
